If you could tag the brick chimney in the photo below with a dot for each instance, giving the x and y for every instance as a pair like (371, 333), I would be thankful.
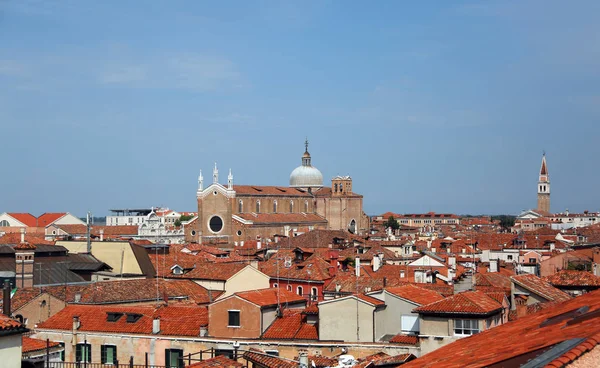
(333, 263)
(521, 304)
(24, 258)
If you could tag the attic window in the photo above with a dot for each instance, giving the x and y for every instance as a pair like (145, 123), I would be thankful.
(177, 270)
(113, 317)
(572, 314)
(257, 189)
(133, 317)
(280, 189)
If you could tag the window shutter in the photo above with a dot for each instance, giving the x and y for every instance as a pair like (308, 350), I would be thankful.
(167, 357)
(78, 353)
(103, 354)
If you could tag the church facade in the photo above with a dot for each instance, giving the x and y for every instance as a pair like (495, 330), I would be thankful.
(235, 213)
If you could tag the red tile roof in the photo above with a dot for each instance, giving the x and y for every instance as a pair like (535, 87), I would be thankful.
(376, 302)
(405, 339)
(524, 339)
(220, 361)
(48, 218)
(174, 320)
(24, 246)
(261, 358)
(262, 190)
(540, 287)
(26, 218)
(30, 344)
(468, 302)
(120, 292)
(415, 294)
(573, 278)
(395, 360)
(292, 325)
(15, 238)
(283, 218)
(269, 297)
(9, 324)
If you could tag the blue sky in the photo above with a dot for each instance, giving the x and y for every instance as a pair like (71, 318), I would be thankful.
(440, 106)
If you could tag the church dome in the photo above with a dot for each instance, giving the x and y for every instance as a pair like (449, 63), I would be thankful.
(306, 175)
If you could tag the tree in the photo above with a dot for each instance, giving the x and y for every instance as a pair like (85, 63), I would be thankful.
(506, 221)
(391, 223)
(177, 223)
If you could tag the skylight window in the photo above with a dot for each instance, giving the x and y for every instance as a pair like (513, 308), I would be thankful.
(133, 317)
(113, 317)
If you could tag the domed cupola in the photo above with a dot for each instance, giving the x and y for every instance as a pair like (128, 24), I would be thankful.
(306, 176)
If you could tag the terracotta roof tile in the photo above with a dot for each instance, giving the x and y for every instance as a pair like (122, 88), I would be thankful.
(405, 339)
(371, 300)
(468, 302)
(174, 320)
(416, 294)
(220, 361)
(9, 324)
(531, 335)
(48, 218)
(261, 358)
(283, 218)
(24, 246)
(292, 325)
(26, 218)
(540, 287)
(30, 344)
(15, 238)
(573, 278)
(261, 190)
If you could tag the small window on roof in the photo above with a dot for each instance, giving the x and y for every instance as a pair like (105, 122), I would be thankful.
(113, 317)
(133, 317)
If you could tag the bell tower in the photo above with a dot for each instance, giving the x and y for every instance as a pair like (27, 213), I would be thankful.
(543, 190)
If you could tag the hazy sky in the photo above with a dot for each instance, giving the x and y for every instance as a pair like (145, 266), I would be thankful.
(445, 106)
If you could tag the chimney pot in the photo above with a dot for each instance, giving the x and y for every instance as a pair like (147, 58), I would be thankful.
(156, 325)
(23, 235)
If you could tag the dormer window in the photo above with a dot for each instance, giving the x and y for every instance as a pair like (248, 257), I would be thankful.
(133, 317)
(177, 270)
(113, 317)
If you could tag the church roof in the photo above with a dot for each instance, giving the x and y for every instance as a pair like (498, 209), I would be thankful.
(282, 218)
(264, 190)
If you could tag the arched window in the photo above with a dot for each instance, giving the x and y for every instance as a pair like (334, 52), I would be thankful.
(306, 206)
(314, 292)
(352, 226)
(299, 290)
(240, 206)
(335, 187)
(257, 206)
(289, 287)
(4, 223)
(274, 206)
(291, 206)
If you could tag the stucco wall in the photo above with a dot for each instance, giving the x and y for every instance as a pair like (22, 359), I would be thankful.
(248, 278)
(40, 309)
(339, 321)
(10, 350)
(392, 314)
(250, 319)
(110, 253)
